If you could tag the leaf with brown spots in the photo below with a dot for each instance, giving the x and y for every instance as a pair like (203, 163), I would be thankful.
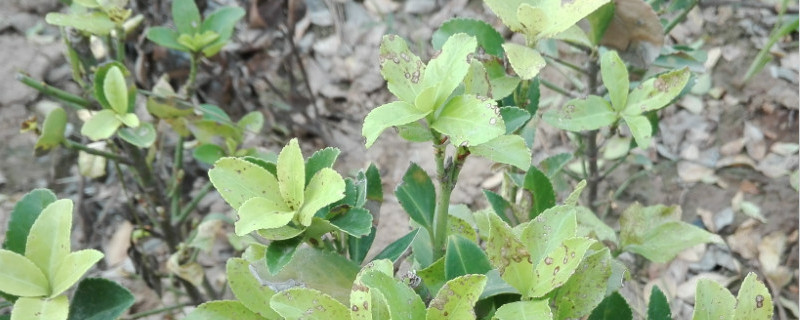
(655, 93)
(401, 68)
(754, 300)
(586, 288)
(456, 300)
(247, 289)
(237, 181)
(559, 265)
(509, 255)
(305, 303)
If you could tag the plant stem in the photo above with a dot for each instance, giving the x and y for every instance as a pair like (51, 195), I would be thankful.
(565, 63)
(592, 179)
(120, 44)
(192, 204)
(190, 84)
(177, 178)
(157, 311)
(682, 16)
(447, 182)
(73, 100)
(556, 88)
(81, 147)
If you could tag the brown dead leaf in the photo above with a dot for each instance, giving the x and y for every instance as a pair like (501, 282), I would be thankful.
(754, 141)
(770, 251)
(686, 290)
(116, 249)
(739, 160)
(733, 147)
(693, 172)
(744, 240)
(635, 31)
(748, 187)
(708, 219)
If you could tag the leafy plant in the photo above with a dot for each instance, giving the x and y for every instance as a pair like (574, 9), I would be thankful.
(38, 265)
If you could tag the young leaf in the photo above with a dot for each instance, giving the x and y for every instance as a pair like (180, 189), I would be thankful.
(41, 309)
(142, 136)
(99, 299)
(539, 185)
(262, 213)
(186, 16)
(321, 159)
(754, 300)
(21, 277)
(326, 187)
(402, 69)
(23, 216)
(464, 257)
(615, 78)
(291, 175)
(613, 307)
(402, 301)
(357, 222)
(129, 119)
(304, 303)
(712, 301)
(469, 120)
(446, 71)
(115, 90)
(222, 310)
(165, 37)
(658, 309)
(526, 61)
(238, 180)
(657, 92)
(525, 310)
(208, 153)
(417, 196)
(488, 38)
(52, 131)
(48, 241)
(101, 125)
(509, 255)
(558, 265)
(587, 114)
(279, 253)
(221, 22)
(247, 289)
(96, 23)
(583, 291)
(457, 298)
(641, 129)
(389, 115)
(507, 149)
(72, 269)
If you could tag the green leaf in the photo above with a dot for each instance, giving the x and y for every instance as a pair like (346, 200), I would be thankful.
(222, 22)
(165, 37)
(553, 164)
(446, 71)
(142, 136)
(247, 289)
(548, 231)
(477, 81)
(613, 307)
(415, 132)
(21, 277)
(52, 131)
(238, 180)
(41, 309)
(280, 233)
(502, 85)
(507, 149)
(253, 122)
(72, 268)
(584, 290)
(509, 255)
(712, 301)
(291, 175)
(524, 310)
(262, 213)
(536, 21)
(754, 300)
(599, 21)
(388, 115)
(115, 90)
(514, 118)
(129, 119)
(507, 11)
(23, 216)
(222, 310)
(464, 257)
(500, 205)
(658, 308)
(357, 222)
(457, 298)
(560, 16)
(469, 120)
(357, 248)
(422, 247)
(208, 153)
(655, 93)
(395, 249)
(48, 241)
(101, 125)
(763, 57)
(99, 299)
(186, 16)
(541, 189)
(574, 35)
(496, 286)
(641, 129)
(326, 187)
(558, 265)
(526, 61)
(321, 159)
(663, 243)
(402, 301)
(417, 195)
(488, 38)
(279, 253)
(615, 78)
(96, 23)
(402, 69)
(589, 225)
(587, 114)
(303, 303)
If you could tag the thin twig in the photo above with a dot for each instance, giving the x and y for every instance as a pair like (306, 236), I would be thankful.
(156, 311)
(110, 156)
(682, 16)
(193, 204)
(73, 100)
(556, 88)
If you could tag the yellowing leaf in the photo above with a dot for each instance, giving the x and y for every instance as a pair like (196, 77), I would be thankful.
(470, 121)
(41, 309)
(262, 213)
(101, 125)
(587, 114)
(526, 61)
(115, 90)
(388, 115)
(291, 175)
(72, 269)
(326, 187)
(21, 277)
(402, 69)
(52, 131)
(447, 70)
(457, 298)
(655, 93)
(48, 241)
(305, 303)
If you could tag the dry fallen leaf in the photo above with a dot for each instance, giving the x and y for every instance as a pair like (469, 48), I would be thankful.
(693, 172)
(754, 141)
(770, 251)
(744, 239)
(635, 31)
(116, 249)
(686, 290)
